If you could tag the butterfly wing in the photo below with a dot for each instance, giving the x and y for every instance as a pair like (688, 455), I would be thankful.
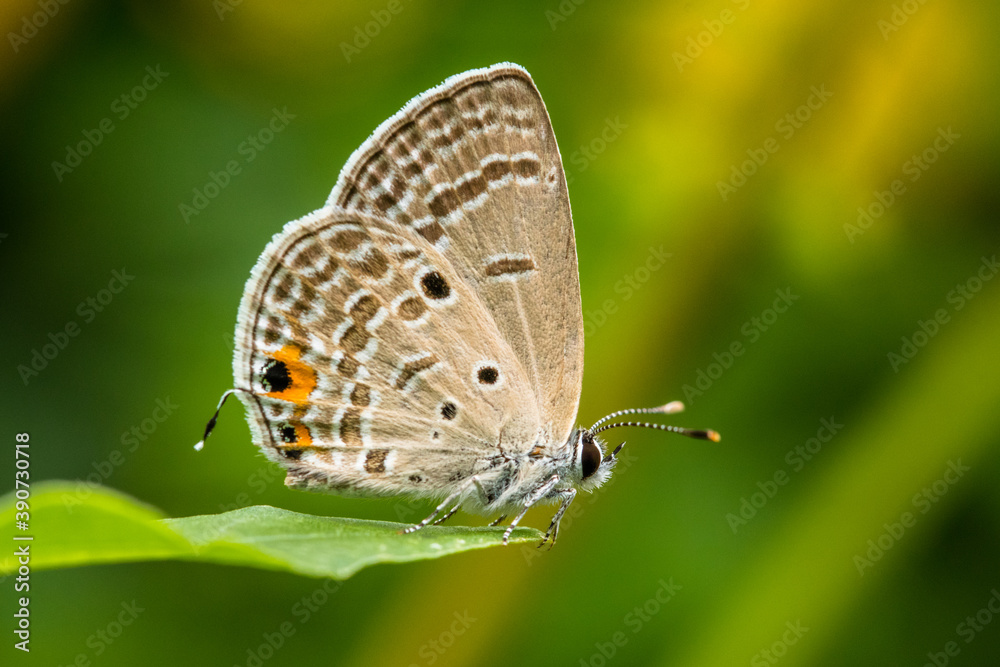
(427, 320)
(473, 168)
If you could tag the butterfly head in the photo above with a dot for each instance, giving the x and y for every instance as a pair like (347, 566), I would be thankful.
(590, 464)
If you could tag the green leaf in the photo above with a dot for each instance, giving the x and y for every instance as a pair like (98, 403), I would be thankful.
(71, 528)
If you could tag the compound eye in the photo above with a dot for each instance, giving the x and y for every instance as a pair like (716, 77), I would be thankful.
(590, 457)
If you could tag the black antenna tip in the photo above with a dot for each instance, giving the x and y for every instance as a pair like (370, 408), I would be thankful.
(198, 446)
(210, 426)
(211, 422)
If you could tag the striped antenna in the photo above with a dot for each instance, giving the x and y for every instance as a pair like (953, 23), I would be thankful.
(691, 433)
(670, 408)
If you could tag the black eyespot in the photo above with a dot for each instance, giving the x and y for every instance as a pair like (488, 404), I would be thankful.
(288, 434)
(295, 454)
(590, 457)
(435, 286)
(276, 377)
(488, 375)
(449, 410)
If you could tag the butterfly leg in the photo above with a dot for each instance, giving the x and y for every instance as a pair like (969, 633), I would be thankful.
(497, 521)
(444, 503)
(567, 495)
(535, 496)
(448, 515)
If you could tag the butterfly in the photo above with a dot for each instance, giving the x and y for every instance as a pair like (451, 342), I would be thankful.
(421, 334)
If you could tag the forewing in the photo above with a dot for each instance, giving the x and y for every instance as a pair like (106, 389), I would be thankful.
(472, 167)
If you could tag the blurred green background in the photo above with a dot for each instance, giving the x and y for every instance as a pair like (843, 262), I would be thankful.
(740, 137)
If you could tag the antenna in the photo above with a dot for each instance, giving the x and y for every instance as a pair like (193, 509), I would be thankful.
(691, 433)
(670, 408)
(673, 407)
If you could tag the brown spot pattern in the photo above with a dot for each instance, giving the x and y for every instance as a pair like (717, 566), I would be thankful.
(361, 395)
(364, 309)
(496, 169)
(348, 366)
(404, 255)
(375, 460)
(412, 308)
(432, 231)
(374, 264)
(306, 301)
(510, 265)
(354, 339)
(309, 255)
(283, 288)
(444, 202)
(272, 331)
(348, 239)
(350, 427)
(414, 367)
(527, 167)
(385, 201)
(471, 188)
